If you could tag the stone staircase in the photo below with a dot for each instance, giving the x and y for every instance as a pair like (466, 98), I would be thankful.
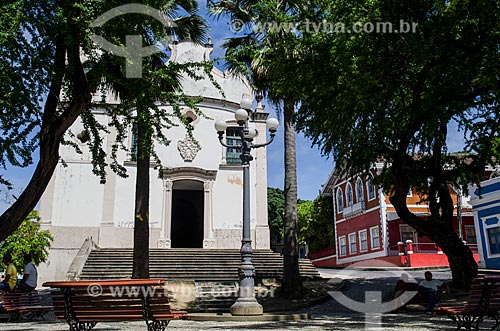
(188, 264)
(199, 280)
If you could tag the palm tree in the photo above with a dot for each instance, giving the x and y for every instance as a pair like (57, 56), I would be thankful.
(258, 55)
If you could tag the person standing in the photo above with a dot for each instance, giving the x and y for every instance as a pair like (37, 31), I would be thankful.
(10, 280)
(30, 277)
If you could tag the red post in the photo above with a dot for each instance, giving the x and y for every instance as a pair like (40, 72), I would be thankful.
(409, 247)
(401, 248)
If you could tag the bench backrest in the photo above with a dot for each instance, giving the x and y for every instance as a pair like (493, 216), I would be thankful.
(484, 293)
(493, 292)
(14, 300)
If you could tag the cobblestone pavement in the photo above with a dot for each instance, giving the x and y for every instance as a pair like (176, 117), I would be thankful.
(330, 315)
(334, 322)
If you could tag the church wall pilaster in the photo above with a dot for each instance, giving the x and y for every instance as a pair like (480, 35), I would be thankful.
(208, 233)
(165, 241)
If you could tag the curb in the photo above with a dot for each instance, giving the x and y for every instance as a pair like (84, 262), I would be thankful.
(226, 317)
(368, 268)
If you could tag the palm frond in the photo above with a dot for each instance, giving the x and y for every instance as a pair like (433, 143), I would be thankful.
(192, 27)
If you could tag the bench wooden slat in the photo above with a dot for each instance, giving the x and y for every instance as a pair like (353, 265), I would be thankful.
(24, 302)
(106, 283)
(120, 318)
(117, 300)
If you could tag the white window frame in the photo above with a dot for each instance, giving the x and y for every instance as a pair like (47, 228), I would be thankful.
(374, 229)
(349, 197)
(353, 248)
(339, 198)
(369, 184)
(486, 234)
(488, 242)
(359, 190)
(363, 248)
(407, 229)
(342, 244)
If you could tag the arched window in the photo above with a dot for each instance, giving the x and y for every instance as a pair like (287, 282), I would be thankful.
(191, 117)
(340, 203)
(359, 190)
(370, 188)
(348, 195)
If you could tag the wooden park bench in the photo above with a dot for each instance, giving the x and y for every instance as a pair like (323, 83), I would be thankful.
(82, 304)
(483, 302)
(24, 304)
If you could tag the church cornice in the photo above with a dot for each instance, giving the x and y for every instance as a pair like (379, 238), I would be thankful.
(100, 107)
(195, 172)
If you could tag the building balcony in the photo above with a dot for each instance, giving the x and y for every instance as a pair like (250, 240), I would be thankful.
(355, 209)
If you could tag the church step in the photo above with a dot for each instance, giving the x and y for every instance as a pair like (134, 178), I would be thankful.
(192, 269)
(195, 271)
(188, 263)
(162, 264)
(193, 274)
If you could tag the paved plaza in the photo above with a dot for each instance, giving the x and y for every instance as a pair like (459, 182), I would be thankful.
(400, 322)
(329, 315)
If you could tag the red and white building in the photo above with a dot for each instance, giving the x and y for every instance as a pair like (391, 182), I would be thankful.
(368, 229)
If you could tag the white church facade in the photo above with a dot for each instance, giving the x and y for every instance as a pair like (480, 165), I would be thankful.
(195, 199)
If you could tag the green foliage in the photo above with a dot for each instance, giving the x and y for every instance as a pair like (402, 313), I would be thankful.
(392, 93)
(315, 220)
(275, 212)
(304, 219)
(24, 60)
(321, 231)
(28, 238)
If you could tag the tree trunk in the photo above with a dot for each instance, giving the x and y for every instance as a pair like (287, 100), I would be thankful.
(141, 220)
(292, 285)
(462, 263)
(53, 127)
(438, 226)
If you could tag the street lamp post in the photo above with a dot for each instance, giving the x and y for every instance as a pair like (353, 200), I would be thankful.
(246, 304)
